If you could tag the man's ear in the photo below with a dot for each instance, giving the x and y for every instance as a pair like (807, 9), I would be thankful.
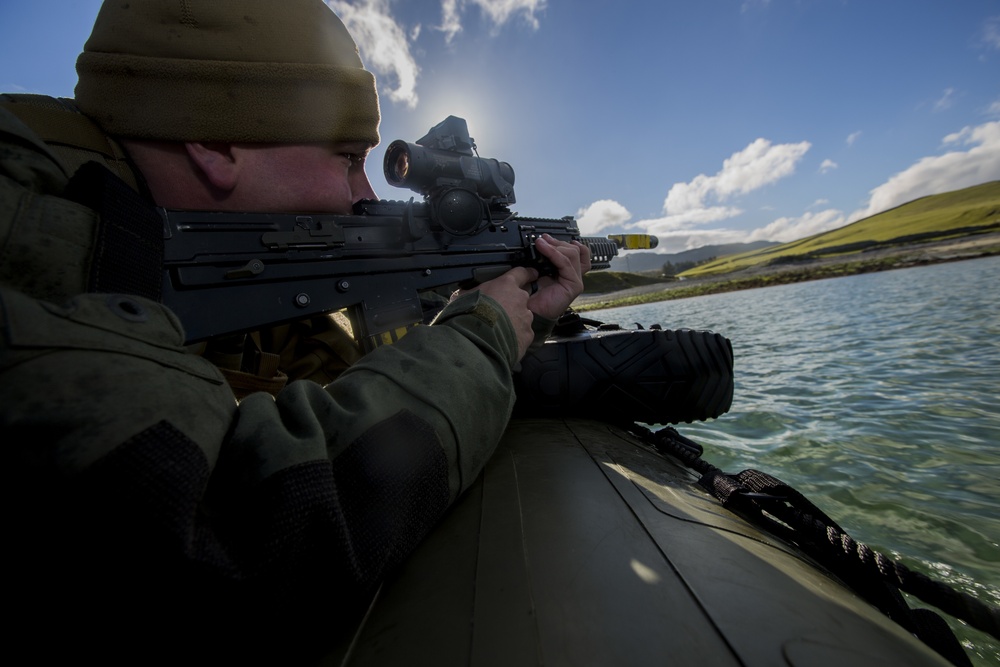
(216, 161)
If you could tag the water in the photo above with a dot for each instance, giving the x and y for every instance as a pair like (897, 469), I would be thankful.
(876, 396)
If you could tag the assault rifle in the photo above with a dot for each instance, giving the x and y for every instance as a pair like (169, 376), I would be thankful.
(233, 272)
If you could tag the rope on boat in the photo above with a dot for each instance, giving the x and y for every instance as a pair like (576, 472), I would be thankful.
(770, 503)
(956, 603)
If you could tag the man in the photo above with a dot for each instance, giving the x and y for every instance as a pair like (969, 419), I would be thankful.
(151, 516)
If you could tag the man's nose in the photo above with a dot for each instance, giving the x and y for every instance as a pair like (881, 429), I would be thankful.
(362, 189)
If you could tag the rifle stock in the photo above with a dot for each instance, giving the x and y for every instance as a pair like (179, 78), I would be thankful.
(226, 273)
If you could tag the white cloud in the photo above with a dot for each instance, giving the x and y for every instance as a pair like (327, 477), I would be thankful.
(687, 220)
(760, 163)
(974, 160)
(791, 229)
(991, 32)
(979, 162)
(827, 166)
(681, 240)
(602, 214)
(451, 22)
(852, 137)
(945, 101)
(499, 12)
(749, 4)
(942, 173)
(994, 109)
(783, 230)
(383, 45)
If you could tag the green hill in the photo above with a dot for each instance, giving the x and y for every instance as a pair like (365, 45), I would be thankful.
(602, 282)
(639, 262)
(965, 212)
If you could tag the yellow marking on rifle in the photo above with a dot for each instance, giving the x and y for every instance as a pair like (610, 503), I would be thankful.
(634, 241)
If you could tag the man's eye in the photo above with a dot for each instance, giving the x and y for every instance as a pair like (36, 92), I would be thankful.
(355, 158)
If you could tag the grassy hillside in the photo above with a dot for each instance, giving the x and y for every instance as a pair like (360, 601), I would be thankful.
(639, 262)
(602, 282)
(952, 214)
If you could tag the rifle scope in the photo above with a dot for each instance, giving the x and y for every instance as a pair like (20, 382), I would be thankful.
(444, 159)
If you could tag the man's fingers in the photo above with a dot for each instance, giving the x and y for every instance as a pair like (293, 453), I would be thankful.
(511, 291)
(585, 263)
(573, 257)
(522, 276)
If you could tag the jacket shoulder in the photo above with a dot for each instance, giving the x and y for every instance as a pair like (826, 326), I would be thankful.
(68, 135)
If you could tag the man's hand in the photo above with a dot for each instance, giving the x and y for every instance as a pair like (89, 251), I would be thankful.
(511, 291)
(555, 293)
(523, 293)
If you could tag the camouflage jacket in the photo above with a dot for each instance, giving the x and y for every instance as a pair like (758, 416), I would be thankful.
(135, 480)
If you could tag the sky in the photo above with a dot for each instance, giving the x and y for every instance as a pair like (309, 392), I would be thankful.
(699, 121)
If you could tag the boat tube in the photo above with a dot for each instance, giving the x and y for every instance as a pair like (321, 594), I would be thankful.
(581, 544)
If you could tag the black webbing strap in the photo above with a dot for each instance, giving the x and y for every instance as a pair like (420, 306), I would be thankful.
(775, 506)
(128, 248)
(755, 485)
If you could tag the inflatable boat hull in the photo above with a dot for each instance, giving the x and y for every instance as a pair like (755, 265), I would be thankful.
(580, 545)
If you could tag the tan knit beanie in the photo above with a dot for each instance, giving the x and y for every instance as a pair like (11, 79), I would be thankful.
(226, 70)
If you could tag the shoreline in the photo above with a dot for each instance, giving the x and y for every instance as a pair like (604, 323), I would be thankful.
(920, 254)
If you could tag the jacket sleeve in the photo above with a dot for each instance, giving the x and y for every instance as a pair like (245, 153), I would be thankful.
(454, 375)
(132, 475)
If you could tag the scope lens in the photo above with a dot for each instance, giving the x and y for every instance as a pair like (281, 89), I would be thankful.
(398, 164)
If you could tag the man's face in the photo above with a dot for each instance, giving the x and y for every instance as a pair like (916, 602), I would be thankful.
(302, 178)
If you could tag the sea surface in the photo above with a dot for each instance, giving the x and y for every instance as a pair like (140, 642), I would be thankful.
(878, 397)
